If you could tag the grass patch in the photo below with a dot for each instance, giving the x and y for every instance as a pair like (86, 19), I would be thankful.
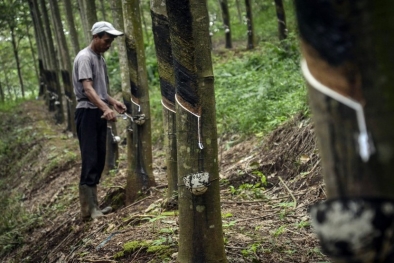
(259, 90)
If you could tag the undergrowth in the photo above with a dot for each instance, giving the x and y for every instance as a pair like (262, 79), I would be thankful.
(17, 138)
(257, 91)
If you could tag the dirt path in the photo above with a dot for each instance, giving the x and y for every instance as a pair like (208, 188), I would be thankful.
(260, 224)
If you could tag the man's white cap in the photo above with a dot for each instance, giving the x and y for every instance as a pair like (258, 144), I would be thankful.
(103, 26)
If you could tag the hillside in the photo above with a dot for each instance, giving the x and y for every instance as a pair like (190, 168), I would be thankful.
(39, 176)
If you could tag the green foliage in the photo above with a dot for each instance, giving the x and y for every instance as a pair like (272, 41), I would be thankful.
(248, 191)
(130, 247)
(15, 143)
(251, 251)
(279, 231)
(258, 91)
(15, 221)
(59, 161)
(264, 21)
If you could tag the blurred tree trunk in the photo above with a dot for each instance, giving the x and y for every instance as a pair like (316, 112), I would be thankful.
(16, 56)
(31, 44)
(83, 11)
(226, 22)
(66, 68)
(161, 36)
(91, 14)
(39, 33)
(2, 93)
(47, 35)
(140, 177)
(53, 84)
(102, 10)
(249, 24)
(239, 11)
(118, 22)
(41, 45)
(71, 26)
(348, 65)
(200, 225)
(144, 24)
(7, 82)
(280, 13)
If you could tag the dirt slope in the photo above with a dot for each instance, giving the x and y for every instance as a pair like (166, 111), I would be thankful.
(268, 224)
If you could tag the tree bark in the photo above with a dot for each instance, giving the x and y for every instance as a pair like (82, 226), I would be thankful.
(31, 45)
(118, 22)
(280, 13)
(16, 56)
(238, 11)
(84, 21)
(140, 177)
(102, 10)
(226, 22)
(161, 36)
(39, 31)
(7, 82)
(42, 48)
(71, 26)
(65, 66)
(249, 24)
(54, 68)
(48, 36)
(91, 13)
(348, 65)
(200, 226)
(2, 97)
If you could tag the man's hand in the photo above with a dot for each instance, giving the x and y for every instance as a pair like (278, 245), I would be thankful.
(109, 115)
(119, 107)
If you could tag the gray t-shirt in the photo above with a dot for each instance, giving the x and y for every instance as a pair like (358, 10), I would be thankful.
(89, 65)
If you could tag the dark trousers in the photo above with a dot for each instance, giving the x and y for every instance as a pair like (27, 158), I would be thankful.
(92, 135)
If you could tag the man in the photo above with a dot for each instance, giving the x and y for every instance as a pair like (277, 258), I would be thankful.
(93, 110)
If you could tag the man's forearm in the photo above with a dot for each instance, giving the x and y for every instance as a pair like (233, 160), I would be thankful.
(93, 97)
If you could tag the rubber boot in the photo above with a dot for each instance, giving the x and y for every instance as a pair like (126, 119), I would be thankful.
(105, 210)
(83, 200)
(89, 208)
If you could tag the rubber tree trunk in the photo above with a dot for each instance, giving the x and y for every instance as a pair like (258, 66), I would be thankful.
(348, 65)
(91, 13)
(48, 35)
(39, 33)
(56, 89)
(17, 60)
(71, 26)
(161, 36)
(200, 225)
(226, 22)
(7, 82)
(2, 97)
(239, 13)
(140, 176)
(249, 24)
(87, 10)
(43, 44)
(40, 46)
(65, 67)
(143, 20)
(280, 13)
(29, 38)
(118, 22)
(102, 10)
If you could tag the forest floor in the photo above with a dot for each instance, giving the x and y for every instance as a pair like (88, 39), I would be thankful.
(269, 224)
